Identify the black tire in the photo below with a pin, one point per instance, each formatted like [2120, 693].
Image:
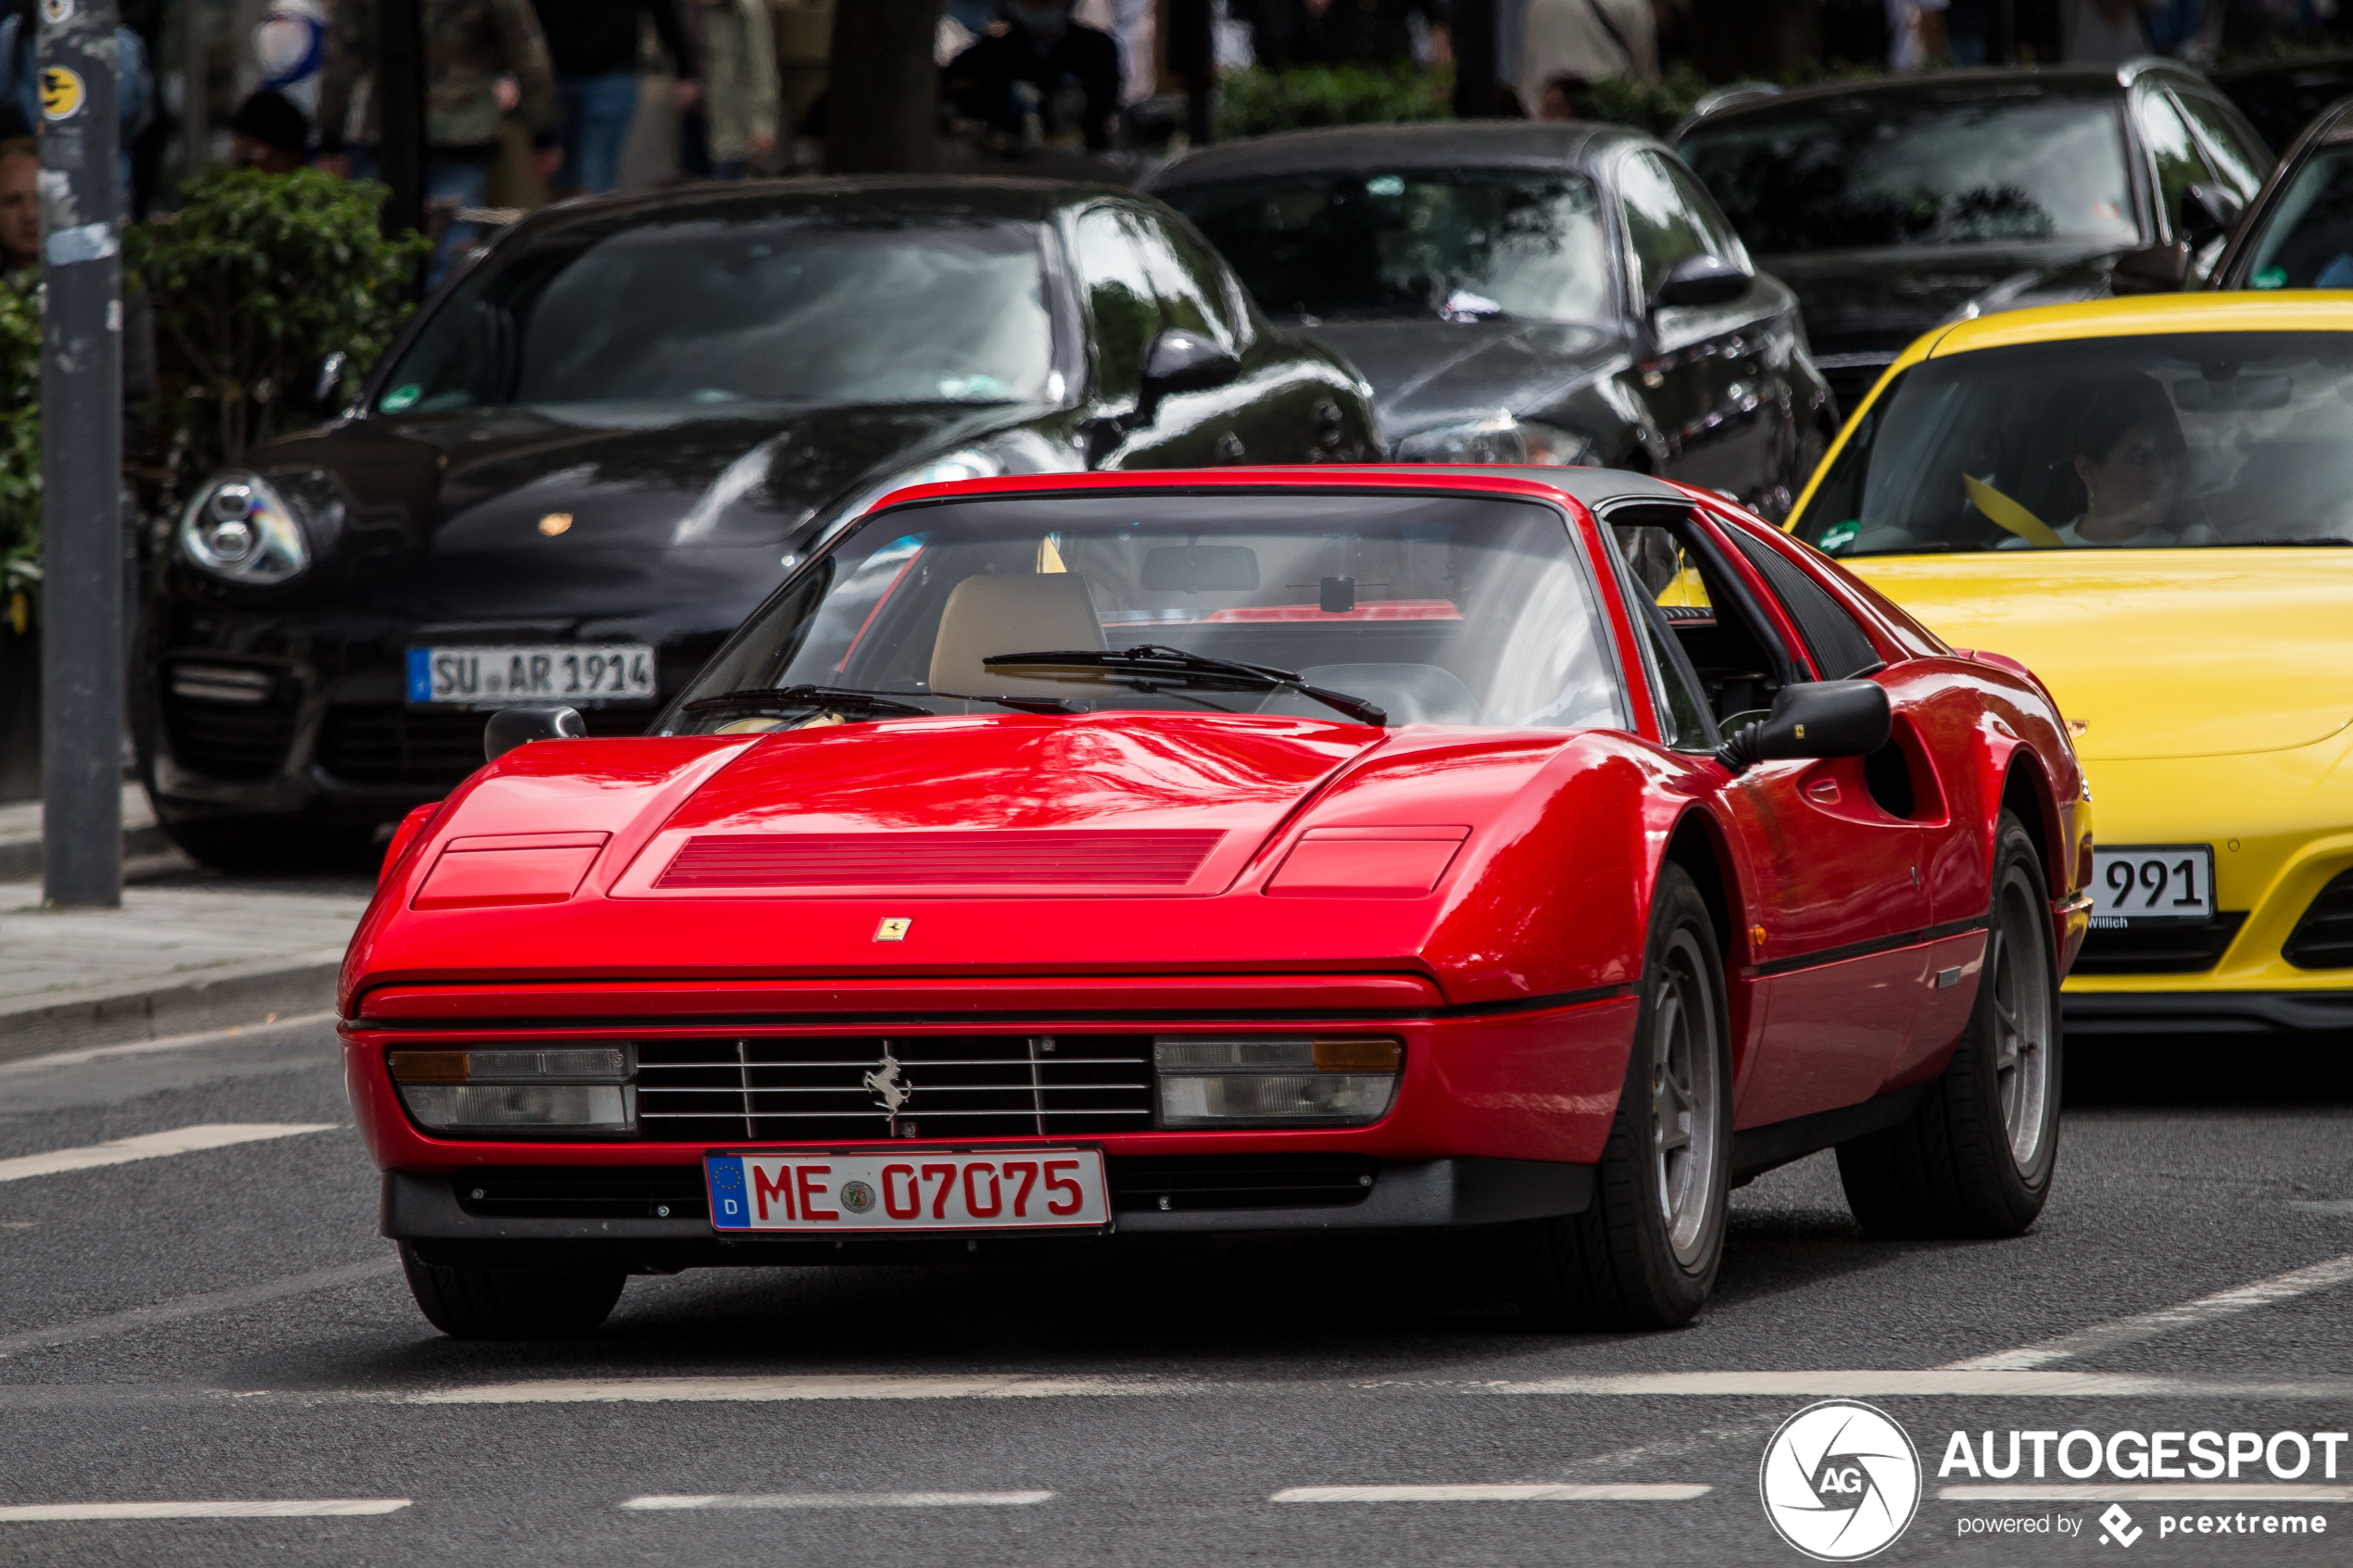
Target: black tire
[1976, 1158]
[1643, 1254]
[508, 1304]
[249, 845]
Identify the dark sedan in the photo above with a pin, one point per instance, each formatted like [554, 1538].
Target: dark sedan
[1546, 293]
[1894, 206]
[2299, 233]
[602, 445]
[2282, 96]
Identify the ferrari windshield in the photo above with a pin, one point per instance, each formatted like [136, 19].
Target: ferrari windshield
[713, 311]
[2306, 239]
[2174, 440]
[1881, 169]
[1464, 242]
[1438, 610]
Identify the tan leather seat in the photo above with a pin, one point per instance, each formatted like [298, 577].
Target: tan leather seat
[986, 616]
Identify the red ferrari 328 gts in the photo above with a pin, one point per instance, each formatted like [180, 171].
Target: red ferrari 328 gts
[1547, 851]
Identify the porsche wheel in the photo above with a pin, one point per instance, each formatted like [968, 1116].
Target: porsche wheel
[1976, 1158]
[1643, 1254]
[506, 1304]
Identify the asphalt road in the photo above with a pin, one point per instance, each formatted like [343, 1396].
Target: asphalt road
[223, 1325]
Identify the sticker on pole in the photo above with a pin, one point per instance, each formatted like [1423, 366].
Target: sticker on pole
[62, 93]
[56, 13]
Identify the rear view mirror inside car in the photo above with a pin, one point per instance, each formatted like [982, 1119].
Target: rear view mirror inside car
[2239, 394]
[1201, 569]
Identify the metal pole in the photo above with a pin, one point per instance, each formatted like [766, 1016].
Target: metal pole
[196, 134]
[82, 673]
[1475, 95]
[400, 86]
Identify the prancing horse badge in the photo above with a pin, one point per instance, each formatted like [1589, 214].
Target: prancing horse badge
[894, 929]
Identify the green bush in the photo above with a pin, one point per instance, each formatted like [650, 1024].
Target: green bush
[1258, 102]
[1655, 106]
[254, 278]
[19, 450]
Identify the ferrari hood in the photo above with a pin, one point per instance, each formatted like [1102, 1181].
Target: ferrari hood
[1425, 372]
[2158, 653]
[1124, 802]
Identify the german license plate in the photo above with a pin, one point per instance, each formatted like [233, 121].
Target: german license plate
[2151, 883]
[909, 1190]
[502, 675]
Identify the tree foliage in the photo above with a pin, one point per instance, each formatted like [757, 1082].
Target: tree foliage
[20, 448]
[1258, 102]
[252, 281]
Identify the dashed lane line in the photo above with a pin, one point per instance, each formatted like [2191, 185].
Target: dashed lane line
[662, 1390]
[196, 1306]
[2192, 1491]
[1940, 1383]
[839, 1499]
[265, 1508]
[153, 1146]
[1646, 1491]
[2165, 1320]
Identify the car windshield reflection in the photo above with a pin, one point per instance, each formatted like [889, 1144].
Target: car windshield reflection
[2178, 441]
[720, 314]
[2307, 238]
[1445, 610]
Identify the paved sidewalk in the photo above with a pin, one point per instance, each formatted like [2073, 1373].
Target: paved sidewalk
[20, 833]
[205, 953]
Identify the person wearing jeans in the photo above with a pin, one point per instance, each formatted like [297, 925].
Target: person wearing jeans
[594, 44]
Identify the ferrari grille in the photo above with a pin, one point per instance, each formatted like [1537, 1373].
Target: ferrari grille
[1107, 857]
[2323, 938]
[932, 1086]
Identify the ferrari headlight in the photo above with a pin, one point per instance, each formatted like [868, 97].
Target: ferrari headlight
[1211, 1082]
[1498, 438]
[574, 1090]
[241, 529]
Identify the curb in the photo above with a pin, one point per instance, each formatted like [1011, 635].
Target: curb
[20, 859]
[158, 1008]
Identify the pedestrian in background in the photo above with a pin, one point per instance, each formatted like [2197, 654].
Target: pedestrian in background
[740, 84]
[482, 58]
[1589, 40]
[269, 132]
[594, 44]
[20, 78]
[2101, 32]
[1036, 45]
[20, 205]
[1916, 33]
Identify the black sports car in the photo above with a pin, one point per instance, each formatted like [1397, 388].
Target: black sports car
[601, 445]
[1893, 205]
[2282, 96]
[1522, 293]
[2299, 234]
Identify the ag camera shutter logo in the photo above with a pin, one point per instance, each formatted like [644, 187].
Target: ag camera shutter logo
[1841, 1481]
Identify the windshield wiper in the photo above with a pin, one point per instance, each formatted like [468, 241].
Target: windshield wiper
[844, 699]
[840, 699]
[1148, 662]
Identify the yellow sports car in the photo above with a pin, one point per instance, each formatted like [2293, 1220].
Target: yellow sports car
[2150, 502]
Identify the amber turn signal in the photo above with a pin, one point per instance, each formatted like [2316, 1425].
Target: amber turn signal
[1358, 1056]
[429, 1067]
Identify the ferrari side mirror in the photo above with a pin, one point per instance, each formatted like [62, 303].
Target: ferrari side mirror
[1817, 718]
[512, 727]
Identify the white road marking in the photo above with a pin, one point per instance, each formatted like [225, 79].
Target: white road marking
[660, 1391]
[2334, 1207]
[236, 1034]
[844, 1499]
[267, 1508]
[2165, 1320]
[195, 1305]
[151, 1145]
[1646, 1491]
[1946, 1381]
[2192, 1491]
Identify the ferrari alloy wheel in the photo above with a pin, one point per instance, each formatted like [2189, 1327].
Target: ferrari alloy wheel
[468, 1303]
[1643, 1254]
[1976, 1158]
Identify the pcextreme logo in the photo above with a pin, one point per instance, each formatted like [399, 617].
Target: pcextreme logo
[1841, 1481]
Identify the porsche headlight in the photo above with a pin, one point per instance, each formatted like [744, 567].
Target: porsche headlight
[1498, 438]
[241, 529]
[1020, 451]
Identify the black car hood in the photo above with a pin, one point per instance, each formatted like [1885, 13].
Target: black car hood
[518, 511]
[1425, 372]
[1878, 301]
